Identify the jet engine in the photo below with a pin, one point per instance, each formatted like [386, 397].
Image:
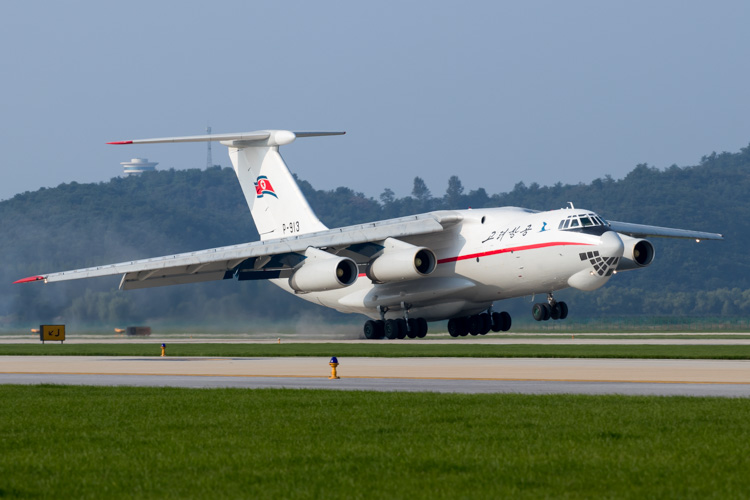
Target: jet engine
[322, 271]
[400, 261]
[638, 253]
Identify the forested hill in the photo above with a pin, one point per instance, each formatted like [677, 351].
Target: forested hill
[78, 225]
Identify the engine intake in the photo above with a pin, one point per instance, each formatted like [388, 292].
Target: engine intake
[321, 271]
[638, 253]
[400, 261]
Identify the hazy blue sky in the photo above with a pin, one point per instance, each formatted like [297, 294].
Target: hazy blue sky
[494, 92]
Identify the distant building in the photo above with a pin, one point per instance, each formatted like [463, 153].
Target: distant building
[138, 166]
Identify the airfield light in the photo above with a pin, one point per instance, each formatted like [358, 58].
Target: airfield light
[163, 350]
[334, 362]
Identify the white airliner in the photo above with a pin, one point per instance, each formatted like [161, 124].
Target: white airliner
[401, 273]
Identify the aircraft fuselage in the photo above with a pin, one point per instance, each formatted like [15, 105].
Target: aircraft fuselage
[492, 254]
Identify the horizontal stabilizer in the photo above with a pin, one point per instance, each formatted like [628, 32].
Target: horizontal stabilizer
[259, 135]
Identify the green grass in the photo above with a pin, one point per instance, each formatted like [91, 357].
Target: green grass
[95, 442]
[387, 349]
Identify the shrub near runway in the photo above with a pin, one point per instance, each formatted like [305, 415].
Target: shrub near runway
[59, 442]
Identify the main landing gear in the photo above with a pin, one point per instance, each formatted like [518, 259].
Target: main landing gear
[479, 324]
[396, 328]
[551, 310]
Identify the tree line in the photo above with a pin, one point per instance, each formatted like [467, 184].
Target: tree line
[158, 213]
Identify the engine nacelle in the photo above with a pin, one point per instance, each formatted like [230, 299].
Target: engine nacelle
[401, 261]
[321, 271]
[638, 253]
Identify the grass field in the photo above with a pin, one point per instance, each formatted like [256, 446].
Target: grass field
[117, 442]
[385, 349]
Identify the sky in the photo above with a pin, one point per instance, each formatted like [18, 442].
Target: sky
[494, 92]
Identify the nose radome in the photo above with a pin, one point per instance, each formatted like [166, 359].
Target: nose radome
[611, 245]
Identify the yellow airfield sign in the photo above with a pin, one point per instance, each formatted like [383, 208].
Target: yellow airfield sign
[52, 332]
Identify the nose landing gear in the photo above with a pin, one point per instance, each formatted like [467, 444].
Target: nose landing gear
[551, 310]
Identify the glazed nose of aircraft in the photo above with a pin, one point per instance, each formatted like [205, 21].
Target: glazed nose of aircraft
[602, 262]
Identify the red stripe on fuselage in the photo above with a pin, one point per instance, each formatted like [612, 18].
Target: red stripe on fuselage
[510, 249]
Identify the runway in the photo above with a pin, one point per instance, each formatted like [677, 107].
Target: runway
[723, 378]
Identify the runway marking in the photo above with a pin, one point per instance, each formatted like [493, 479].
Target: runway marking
[389, 378]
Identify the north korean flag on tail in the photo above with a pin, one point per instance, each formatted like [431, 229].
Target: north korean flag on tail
[263, 187]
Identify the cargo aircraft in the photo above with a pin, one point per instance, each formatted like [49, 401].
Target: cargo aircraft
[404, 272]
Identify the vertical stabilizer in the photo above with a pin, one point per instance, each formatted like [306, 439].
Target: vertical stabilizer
[276, 203]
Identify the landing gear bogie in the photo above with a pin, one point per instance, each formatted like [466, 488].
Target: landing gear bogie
[398, 328]
[551, 310]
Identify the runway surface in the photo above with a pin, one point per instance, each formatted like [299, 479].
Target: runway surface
[723, 378]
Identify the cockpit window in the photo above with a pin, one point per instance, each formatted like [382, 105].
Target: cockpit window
[587, 220]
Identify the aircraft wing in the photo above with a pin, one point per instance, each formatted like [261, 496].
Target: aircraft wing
[643, 231]
[257, 260]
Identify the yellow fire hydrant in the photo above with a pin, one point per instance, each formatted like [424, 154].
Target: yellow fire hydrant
[334, 363]
[163, 350]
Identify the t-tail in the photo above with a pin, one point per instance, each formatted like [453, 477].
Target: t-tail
[276, 203]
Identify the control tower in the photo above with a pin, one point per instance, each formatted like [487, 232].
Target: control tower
[138, 166]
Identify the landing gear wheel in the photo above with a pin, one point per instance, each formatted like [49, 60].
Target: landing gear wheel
[497, 324]
[371, 330]
[380, 325]
[453, 328]
[486, 324]
[505, 321]
[413, 328]
[475, 324]
[537, 311]
[391, 329]
[555, 311]
[563, 310]
[421, 327]
[401, 328]
[547, 311]
[463, 326]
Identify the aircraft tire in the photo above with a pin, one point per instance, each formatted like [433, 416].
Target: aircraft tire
[547, 311]
[413, 329]
[563, 310]
[380, 325]
[371, 330]
[475, 324]
[463, 326]
[555, 311]
[537, 311]
[453, 328]
[391, 329]
[421, 328]
[401, 328]
[486, 324]
[505, 321]
[496, 323]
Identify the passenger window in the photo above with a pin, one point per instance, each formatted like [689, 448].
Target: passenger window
[586, 222]
[574, 223]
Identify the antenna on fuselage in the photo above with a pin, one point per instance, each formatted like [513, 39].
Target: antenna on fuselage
[571, 205]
